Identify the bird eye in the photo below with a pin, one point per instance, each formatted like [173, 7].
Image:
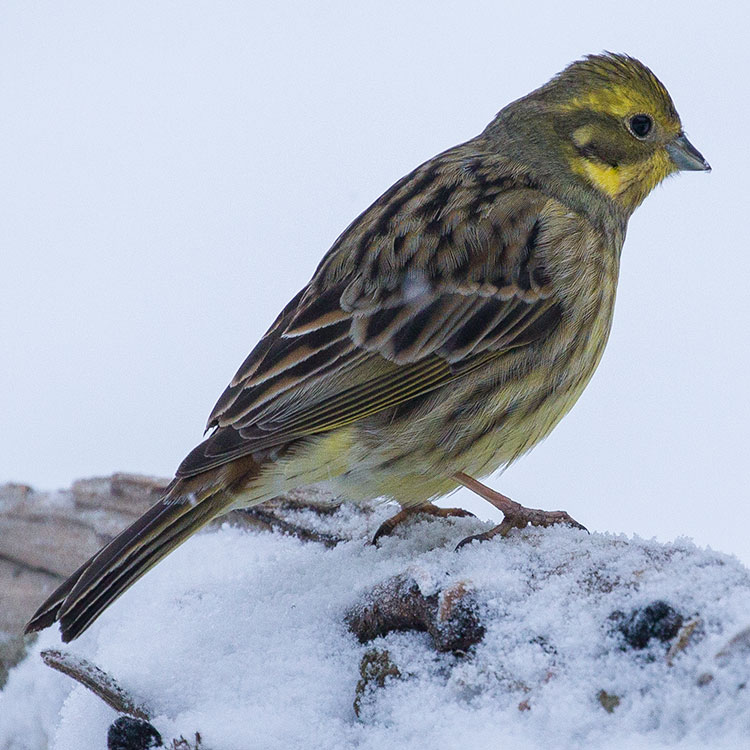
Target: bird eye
[640, 125]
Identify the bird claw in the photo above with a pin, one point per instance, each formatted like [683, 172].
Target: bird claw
[389, 525]
[520, 519]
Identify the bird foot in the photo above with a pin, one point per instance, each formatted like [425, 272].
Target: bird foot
[516, 515]
[388, 526]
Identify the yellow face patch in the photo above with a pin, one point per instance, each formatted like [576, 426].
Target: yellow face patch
[606, 178]
[628, 184]
[618, 101]
[583, 135]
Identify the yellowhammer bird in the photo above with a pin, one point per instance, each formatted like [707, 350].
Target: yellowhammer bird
[446, 332]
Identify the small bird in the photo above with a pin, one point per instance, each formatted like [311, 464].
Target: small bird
[445, 333]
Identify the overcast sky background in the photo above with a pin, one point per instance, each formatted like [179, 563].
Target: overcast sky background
[171, 173]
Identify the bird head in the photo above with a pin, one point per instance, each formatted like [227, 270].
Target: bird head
[609, 122]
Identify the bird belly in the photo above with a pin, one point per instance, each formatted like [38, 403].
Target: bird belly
[411, 453]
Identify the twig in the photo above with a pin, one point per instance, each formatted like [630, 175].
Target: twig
[268, 519]
[450, 617]
[96, 680]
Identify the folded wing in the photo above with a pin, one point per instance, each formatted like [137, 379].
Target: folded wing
[443, 273]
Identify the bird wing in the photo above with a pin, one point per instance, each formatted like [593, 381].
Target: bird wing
[443, 273]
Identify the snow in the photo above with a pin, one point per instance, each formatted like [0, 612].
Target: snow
[241, 636]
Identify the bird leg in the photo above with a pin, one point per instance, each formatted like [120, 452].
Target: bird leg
[388, 526]
[516, 515]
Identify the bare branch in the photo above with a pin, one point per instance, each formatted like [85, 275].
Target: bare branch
[97, 681]
[450, 616]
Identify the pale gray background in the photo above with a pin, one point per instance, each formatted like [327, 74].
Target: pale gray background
[170, 174]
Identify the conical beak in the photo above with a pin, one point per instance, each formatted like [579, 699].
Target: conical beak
[686, 157]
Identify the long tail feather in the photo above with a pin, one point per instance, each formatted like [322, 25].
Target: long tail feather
[116, 567]
[48, 612]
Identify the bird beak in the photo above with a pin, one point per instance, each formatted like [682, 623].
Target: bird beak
[686, 157]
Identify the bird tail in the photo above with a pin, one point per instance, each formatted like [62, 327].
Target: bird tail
[110, 572]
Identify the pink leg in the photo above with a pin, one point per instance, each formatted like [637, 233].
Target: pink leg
[516, 515]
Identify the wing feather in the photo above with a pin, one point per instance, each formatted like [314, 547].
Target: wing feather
[423, 287]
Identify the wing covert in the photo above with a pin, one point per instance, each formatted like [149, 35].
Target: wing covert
[454, 275]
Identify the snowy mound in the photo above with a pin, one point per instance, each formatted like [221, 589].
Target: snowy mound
[243, 636]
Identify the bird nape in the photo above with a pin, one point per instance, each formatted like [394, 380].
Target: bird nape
[446, 332]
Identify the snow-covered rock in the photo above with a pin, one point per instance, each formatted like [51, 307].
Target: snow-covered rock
[244, 636]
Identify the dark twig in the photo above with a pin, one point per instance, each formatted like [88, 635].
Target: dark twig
[268, 520]
[450, 616]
